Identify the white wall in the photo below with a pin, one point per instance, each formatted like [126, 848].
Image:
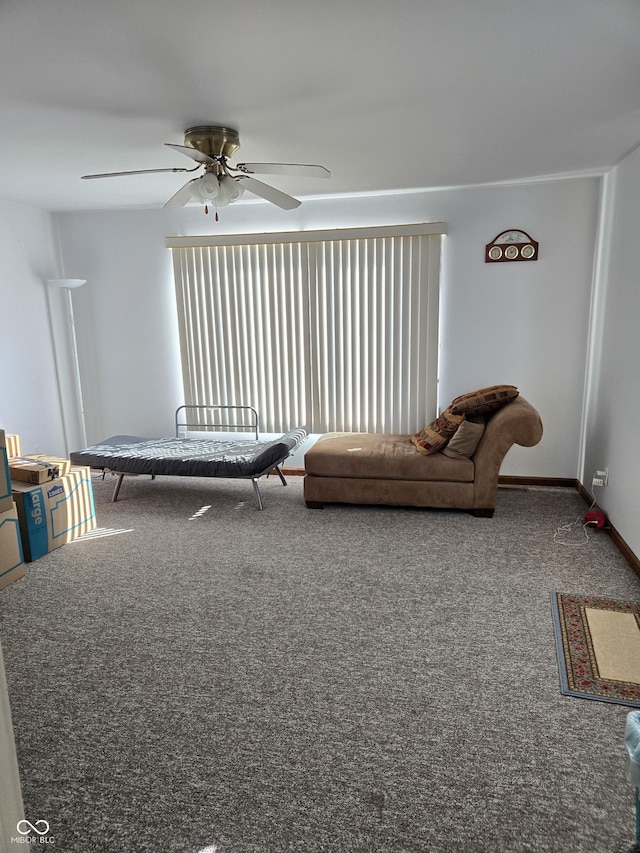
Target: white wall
[29, 401]
[523, 323]
[125, 321]
[614, 402]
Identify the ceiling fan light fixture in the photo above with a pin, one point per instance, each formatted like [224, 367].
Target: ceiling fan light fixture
[205, 188]
[209, 185]
[230, 191]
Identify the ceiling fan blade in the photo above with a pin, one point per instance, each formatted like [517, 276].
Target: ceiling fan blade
[191, 152]
[302, 170]
[183, 196]
[134, 172]
[286, 202]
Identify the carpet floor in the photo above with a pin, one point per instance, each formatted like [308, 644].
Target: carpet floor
[205, 676]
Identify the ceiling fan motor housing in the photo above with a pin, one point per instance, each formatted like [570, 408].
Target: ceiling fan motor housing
[213, 140]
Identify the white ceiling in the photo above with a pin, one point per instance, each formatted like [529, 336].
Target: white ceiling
[415, 93]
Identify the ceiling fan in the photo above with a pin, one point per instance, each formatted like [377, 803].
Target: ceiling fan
[220, 183]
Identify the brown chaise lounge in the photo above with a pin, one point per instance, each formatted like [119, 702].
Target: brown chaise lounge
[370, 468]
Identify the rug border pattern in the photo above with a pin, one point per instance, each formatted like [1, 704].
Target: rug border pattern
[577, 665]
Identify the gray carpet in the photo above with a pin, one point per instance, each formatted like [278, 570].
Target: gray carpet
[351, 679]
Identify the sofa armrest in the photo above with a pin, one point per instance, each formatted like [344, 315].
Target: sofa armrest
[516, 423]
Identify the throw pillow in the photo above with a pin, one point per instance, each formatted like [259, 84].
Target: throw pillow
[484, 400]
[465, 441]
[436, 434]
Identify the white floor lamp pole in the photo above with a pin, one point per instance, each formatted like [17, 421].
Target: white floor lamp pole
[69, 284]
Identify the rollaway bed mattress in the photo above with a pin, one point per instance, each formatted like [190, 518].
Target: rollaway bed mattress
[233, 458]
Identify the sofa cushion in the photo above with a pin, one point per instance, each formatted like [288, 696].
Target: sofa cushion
[465, 441]
[484, 400]
[375, 456]
[436, 434]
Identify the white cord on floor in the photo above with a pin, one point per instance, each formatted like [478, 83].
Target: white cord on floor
[568, 528]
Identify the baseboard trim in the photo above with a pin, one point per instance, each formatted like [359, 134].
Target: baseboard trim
[562, 482]
[584, 493]
[624, 549]
[554, 482]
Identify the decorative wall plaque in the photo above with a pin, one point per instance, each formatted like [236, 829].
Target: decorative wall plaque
[511, 245]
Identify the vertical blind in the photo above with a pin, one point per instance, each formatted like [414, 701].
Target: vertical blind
[334, 330]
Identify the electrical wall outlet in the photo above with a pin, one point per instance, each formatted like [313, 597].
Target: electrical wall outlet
[601, 478]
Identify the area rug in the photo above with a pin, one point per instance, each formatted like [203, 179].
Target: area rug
[598, 647]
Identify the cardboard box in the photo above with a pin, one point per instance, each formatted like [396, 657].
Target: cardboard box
[37, 468]
[13, 445]
[6, 501]
[55, 512]
[63, 464]
[12, 564]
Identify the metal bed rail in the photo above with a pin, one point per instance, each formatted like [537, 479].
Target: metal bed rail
[249, 423]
